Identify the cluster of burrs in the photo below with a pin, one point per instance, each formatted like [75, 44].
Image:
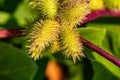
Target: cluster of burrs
[55, 28]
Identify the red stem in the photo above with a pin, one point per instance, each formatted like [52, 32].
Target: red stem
[99, 13]
[21, 32]
[7, 33]
[100, 51]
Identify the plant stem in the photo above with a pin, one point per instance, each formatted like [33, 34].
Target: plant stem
[7, 33]
[99, 13]
[100, 51]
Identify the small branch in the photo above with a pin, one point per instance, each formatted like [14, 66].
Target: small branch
[100, 51]
[21, 32]
[99, 13]
[7, 33]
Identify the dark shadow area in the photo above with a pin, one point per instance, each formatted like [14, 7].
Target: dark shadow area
[11, 23]
[107, 20]
[10, 5]
[88, 69]
[42, 64]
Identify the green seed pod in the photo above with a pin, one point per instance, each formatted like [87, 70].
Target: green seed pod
[70, 43]
[46, 8]
[73, 12]
[112, 4]
[43, 33]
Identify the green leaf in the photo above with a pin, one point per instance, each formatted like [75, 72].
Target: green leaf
[15, 64]
[102, 73]
[95, 35]
[4, 17]
[110, 43]
[23, 13]
[2, 3]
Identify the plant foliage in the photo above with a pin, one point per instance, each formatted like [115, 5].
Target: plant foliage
[62, 38]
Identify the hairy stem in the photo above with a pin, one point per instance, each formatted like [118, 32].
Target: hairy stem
[7, 33]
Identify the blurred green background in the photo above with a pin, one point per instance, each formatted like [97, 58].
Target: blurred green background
[15, 64]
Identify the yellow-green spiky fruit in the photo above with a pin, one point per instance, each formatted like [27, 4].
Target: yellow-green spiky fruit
[70, 43]
[73, 12]
[55, 46]
[96, 4]
[34, 3]
[46, 8]
[43, 33]
[112, 4]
